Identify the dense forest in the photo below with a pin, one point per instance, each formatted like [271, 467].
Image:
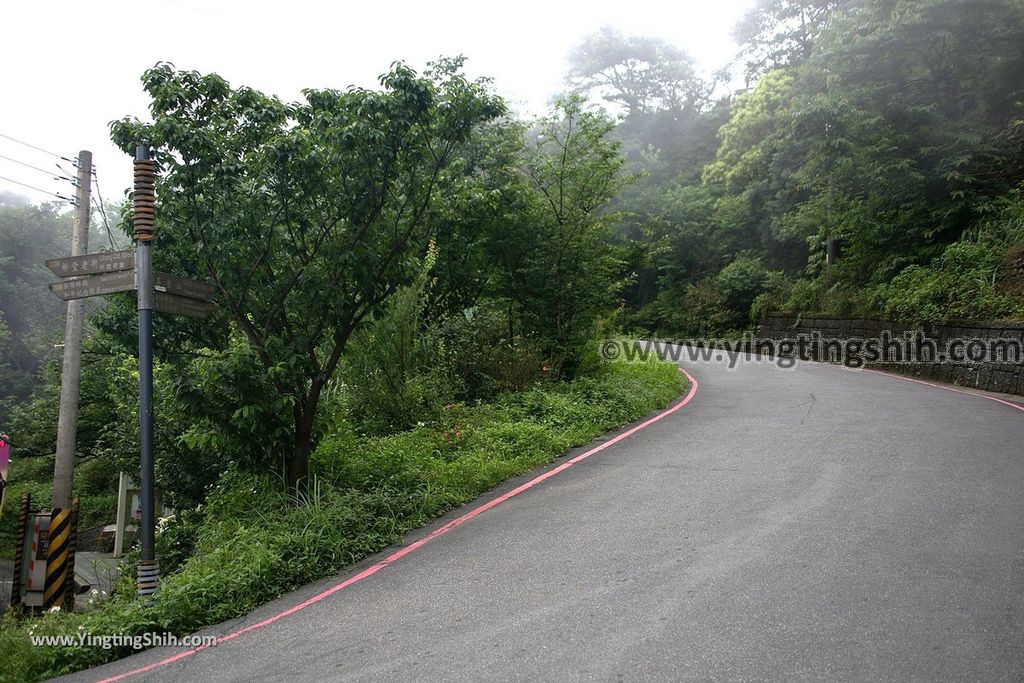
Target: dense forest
[411, 281]
[30, 317]
[399, 250]
[872, 166]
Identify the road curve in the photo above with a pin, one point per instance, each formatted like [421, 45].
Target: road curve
[805, 524]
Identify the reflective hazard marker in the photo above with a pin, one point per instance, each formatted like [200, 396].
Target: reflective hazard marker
[69, 582]
[19, 551]
[57, 557]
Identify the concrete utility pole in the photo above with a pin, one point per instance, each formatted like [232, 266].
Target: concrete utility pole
[67, 420]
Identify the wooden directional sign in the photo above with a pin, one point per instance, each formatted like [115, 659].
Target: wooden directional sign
[90, 264]
[114, 271]
[181, 305]
[94, 285]
[192, 289]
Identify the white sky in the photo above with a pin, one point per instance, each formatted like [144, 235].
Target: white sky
[69, 68]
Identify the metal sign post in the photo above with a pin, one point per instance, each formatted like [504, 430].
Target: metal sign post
[145, 229]
[87, 275]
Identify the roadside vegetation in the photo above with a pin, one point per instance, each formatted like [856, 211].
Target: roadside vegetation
[411, 286]
[411, 282]
[251, 542]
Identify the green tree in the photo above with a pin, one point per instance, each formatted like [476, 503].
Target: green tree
[306, 216]
[779, 33]
[752, 175]
[640, 73]
[482, 211]
[570, 272]
[30, 314]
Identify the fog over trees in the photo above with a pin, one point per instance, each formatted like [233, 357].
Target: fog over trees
[417, 245]
[888, 130]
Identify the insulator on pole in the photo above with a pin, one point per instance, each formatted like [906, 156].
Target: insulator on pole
[144, 200]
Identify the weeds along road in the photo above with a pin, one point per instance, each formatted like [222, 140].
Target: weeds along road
[816, 523]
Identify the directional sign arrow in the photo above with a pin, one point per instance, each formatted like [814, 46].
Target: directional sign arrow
[94, 285]
[183, 286]
[90, 264]
[181, 305]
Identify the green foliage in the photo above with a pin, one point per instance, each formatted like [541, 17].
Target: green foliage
[741, 281]
[887, 129]
[206, 417]
[30, 316]
[272, 202]
[639, 73]
[899, 133]
[962, 284]
[251, 543]
[395, 374]
[485, 356]
[747, 138]
[568, 274]
[482, 218]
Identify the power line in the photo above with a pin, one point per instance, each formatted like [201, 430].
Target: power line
[35, 168]
[38, 149]
[65, 171]
[103, 211]
[106, 226]
[39, 189]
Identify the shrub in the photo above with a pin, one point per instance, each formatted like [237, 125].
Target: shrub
[961, 284]
[741, 281]
[701, 311]
[486, 356]
[395, 371]
[252, 543]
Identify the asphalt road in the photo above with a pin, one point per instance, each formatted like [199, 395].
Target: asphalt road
[811, 524]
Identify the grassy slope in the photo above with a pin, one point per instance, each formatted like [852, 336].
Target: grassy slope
[252, 545]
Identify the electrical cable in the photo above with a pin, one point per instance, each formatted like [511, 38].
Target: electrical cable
[38, 149]
[99, 204]
[39, 189]
[107, 226]
[35, 168]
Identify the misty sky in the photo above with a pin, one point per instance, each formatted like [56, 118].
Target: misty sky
[69, 68]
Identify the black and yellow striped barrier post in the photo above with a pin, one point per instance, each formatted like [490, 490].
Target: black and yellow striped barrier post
[19, 550]
[57, 557]
[69, 583]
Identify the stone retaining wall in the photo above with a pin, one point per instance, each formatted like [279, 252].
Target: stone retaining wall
[1001, 377]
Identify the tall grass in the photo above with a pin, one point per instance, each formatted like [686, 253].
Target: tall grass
[251, 543]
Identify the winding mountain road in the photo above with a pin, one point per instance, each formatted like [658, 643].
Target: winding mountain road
[808, 524]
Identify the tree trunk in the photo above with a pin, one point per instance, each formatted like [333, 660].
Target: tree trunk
[304, 413]
[297, 470]
[298, 465]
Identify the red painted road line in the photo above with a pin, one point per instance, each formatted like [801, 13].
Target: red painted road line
[942, 386]
[370, 571]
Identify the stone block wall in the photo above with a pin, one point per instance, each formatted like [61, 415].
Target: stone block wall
[1003, 377]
